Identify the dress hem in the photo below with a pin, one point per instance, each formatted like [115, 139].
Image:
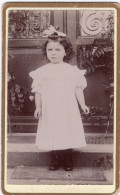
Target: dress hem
[59, 148]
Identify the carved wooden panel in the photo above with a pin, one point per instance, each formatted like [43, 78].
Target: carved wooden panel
[96, 22]
[27, 23]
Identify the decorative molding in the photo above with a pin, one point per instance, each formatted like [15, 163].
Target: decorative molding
[26, 43]
[27, 23]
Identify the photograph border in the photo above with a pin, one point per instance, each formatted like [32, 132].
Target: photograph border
[4, 61]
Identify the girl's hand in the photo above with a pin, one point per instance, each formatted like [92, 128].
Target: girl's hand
[37, 113]
[85, 109]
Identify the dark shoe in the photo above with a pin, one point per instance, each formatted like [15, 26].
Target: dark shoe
[68, 164]
[55, 163]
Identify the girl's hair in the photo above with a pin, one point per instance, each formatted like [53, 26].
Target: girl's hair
[64, 41]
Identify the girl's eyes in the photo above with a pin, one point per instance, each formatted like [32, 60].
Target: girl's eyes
[52, 49]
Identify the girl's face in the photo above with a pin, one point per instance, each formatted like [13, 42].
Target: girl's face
[55, 52]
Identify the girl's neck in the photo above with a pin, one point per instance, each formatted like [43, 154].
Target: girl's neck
[57, 63]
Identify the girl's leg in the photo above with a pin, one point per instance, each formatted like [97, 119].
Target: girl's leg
[56, 160]
[67, 160]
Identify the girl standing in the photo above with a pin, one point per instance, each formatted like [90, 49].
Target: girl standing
[58, 88]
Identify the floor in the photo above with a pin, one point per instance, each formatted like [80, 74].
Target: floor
[107, 173]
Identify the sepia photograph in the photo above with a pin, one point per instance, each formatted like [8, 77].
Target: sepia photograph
[60, 100]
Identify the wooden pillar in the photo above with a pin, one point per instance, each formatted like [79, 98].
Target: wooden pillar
[78, 33]
[65, 21]
[52, 17]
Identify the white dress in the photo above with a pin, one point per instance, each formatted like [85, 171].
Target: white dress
[60, 126]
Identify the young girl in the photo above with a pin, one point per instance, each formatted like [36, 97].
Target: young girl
[58, 88]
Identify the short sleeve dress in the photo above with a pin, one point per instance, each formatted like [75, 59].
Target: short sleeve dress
[60, 125]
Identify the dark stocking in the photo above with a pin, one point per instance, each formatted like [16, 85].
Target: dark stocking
[56, 160]
[68, 164]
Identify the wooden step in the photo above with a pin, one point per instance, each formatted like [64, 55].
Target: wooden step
[28, 154]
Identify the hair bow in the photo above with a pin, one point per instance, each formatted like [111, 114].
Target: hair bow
[52, 31]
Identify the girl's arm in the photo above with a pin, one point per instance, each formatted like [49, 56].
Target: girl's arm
[38, 104]
[80, 97]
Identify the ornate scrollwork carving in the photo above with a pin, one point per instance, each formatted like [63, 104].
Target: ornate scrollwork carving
[27, 23]
[95, 22]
